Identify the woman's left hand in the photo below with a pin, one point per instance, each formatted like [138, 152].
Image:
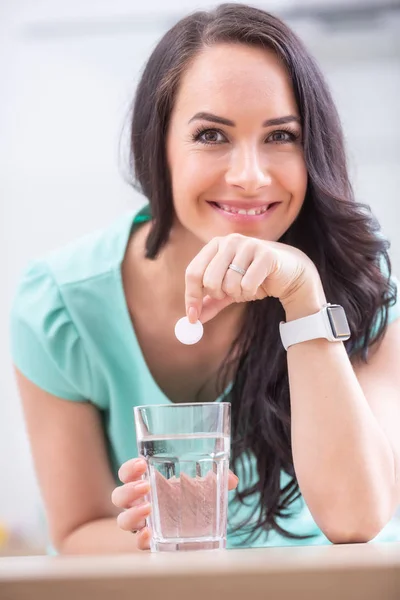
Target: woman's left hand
[271, 269]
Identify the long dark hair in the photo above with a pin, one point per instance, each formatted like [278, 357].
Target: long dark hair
[341, 237]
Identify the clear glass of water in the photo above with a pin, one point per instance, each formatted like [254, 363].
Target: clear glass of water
[187, 449]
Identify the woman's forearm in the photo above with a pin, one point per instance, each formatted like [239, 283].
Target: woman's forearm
[102, 536]
[343, 460]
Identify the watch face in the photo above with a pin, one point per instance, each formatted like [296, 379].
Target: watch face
[338, 321]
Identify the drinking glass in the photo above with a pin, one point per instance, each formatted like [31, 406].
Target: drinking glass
[187, 450]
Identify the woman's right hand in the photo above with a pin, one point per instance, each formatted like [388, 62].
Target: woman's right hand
[131, 497]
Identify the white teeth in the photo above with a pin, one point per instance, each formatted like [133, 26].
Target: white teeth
[242, 211]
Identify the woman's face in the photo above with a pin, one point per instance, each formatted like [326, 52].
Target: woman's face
[234, 146]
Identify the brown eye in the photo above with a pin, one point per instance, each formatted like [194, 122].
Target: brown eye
[282, 137]
[209, 136]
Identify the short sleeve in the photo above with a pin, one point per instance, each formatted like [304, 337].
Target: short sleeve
[394, 309]
[45, 344]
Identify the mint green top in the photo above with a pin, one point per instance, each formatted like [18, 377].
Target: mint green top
[71, 334]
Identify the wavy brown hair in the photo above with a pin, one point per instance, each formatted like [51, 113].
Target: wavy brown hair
[341, 237]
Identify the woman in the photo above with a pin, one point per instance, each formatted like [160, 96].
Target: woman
[237, 146]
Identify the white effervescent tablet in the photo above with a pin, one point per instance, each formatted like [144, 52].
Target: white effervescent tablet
[187, 333]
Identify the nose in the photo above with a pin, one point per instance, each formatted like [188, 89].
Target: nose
[247, 170]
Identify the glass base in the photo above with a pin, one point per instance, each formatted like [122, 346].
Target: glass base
[185, 546]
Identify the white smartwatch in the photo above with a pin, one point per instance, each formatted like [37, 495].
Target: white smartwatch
[329, 323]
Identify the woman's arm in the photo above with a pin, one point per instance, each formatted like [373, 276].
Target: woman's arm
[345, 428]
[102, 536]
[75, 479]
[345, 422]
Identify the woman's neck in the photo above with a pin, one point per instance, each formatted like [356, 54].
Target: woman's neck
[174, 258]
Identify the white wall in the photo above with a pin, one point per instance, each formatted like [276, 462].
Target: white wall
[65, 94]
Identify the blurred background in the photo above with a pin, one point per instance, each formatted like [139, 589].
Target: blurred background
[68, 71]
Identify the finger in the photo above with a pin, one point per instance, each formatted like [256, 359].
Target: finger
[134, 518]
[233, 481]
[216, 269]
[232, 282]
[132, 470]
[255, 276]
[126, 495]
[194, 280]
[143, 538]
[211, 307]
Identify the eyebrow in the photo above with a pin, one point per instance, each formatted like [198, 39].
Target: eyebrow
[205, 116]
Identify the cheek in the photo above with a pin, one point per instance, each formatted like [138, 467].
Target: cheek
[196, 172]
[192, 174]
[293, 176]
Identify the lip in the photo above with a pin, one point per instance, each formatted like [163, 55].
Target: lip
[235, 217]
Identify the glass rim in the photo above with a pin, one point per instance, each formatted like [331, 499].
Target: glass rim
[177, 405]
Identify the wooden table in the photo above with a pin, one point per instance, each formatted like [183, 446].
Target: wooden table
[356, 572]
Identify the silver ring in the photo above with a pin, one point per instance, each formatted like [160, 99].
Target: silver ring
[237, 269]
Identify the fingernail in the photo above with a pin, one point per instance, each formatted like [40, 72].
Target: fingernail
[141, 463]
[192, 315]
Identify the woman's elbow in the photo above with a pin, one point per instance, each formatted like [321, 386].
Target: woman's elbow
[354, 533]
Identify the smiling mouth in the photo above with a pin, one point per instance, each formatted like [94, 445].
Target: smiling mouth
[251, 211]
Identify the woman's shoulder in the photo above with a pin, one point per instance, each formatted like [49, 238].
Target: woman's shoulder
[60, 302]
[45, 343]
[91, 255]
[394, 308]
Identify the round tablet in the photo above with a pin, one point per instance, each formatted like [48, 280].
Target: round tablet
[187, 333]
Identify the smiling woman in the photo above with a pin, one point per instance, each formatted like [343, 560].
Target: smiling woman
[251, 222]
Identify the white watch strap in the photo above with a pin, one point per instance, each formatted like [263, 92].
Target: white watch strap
[304, 329]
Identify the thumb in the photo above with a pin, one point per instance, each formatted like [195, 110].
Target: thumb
[212, 306]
